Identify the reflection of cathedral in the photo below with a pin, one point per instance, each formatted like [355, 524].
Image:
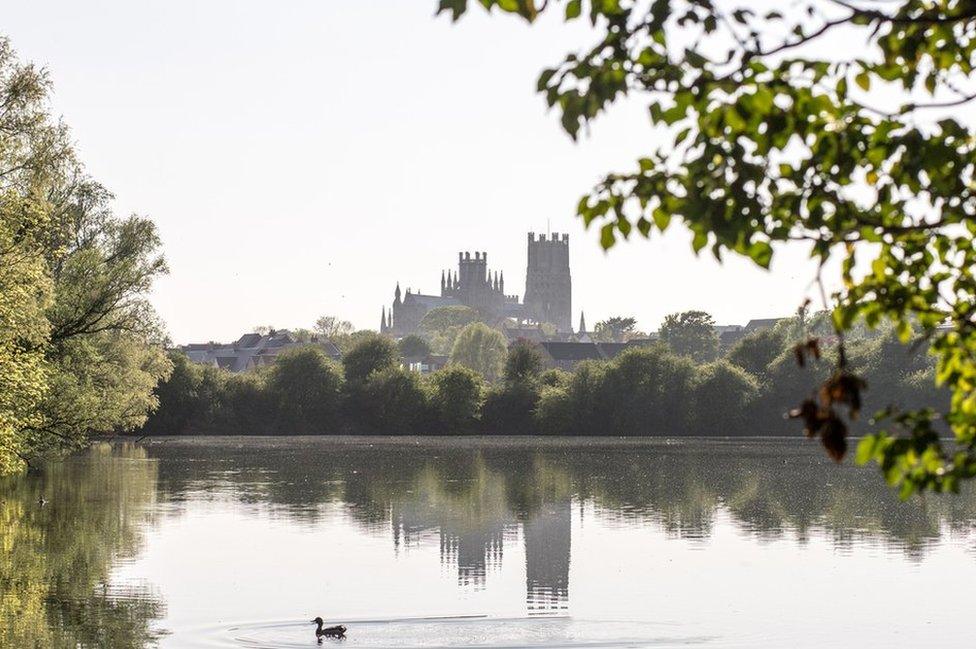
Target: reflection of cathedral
[474, 552]
[476, 548]
[547, 546]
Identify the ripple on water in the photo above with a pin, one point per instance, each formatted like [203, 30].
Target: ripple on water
[467, 631]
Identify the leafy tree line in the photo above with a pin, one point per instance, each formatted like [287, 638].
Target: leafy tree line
[657, 389]
[80, 346]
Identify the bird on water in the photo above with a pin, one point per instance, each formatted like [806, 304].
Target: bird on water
[337, 631]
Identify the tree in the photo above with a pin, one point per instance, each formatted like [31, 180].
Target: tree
[615, 329]
[80, 348]
[510, 409]
[644, 391]
[441, 326]
[756, 352]
[480, 348]
[245, 406]
[105, 350]
[304, 387]
[375, 353]
[721, 397]
[771, 136]
[25, 293]
[346, 342]
[445, 317]
[456, 395]
[393, 403]
[413, 346]
[524, 362]
[27, 141]
[189, 400]
[330, 327]
[692, 334]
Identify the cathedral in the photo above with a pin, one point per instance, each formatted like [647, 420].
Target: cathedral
[548, 290]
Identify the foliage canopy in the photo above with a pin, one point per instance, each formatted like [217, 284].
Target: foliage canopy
[772, 134]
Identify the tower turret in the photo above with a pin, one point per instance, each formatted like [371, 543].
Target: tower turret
[582, 327]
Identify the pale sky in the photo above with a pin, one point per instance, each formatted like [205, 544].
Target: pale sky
[301, 157]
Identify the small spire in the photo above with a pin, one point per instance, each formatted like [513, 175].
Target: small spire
[501, 282]
[582, 327]
[443, 283]
[397, 294]
[383, 321]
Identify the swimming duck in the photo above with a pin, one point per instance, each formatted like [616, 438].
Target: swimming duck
[337, 631]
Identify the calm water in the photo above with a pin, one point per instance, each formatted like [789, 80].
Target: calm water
[227, 542]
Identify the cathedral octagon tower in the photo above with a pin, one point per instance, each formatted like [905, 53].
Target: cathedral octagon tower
[548, 285]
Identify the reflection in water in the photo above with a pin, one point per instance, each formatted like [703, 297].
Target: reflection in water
[474, 500]
[61, 532]
[473, 503]
[547, 540]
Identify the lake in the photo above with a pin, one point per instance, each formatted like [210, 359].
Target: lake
[491, 542]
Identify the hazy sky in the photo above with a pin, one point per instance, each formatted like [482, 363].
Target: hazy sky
[301, 157]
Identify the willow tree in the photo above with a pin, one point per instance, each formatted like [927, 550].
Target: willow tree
[828, 123]
[80, 350]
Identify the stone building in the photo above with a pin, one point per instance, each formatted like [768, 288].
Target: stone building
[548, 284]
[548, 290]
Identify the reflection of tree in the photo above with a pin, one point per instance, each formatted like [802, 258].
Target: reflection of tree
[55, 558]
[473, 499]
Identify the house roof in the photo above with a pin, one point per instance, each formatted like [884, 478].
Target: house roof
[331, 349]
[761, 323]
[249, 340]
[560, 351]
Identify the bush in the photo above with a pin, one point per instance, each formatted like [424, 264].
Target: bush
[456, 396]
[554, 412]
[245, 408]
[304, 388]
[757, 351]
[721, 398]
[585, 392]
[480, 348]
[375, 353]
[413, 346]
[392, 402]
[509, 409]
[523, 362]
[189, 400]
[645, 391]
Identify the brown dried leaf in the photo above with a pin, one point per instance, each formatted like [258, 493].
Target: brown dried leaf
[833, 436]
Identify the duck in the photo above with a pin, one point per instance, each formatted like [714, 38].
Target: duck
[337, 631]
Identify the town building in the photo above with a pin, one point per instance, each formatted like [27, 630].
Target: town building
[567, 355]
[250, 350]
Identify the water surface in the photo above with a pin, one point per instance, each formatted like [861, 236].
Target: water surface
[493, 542]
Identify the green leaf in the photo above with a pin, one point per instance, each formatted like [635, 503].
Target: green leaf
[761, 253]
[573, 9]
